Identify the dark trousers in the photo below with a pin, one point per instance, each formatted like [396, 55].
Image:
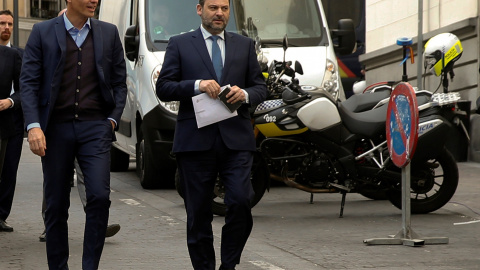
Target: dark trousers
[89, 142]
[3, 149]
[8, 177]
[199, 171]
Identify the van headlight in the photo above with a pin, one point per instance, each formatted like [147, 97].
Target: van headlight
[330, 79]
[171, 106]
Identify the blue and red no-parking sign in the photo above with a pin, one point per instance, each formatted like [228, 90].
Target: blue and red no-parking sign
[402, 124]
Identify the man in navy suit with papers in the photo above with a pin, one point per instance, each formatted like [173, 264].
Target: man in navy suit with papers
[201, 62]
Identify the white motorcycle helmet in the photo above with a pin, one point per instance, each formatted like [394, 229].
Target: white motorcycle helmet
[442, 51]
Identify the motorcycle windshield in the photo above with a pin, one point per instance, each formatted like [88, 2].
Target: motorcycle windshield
[271, 20]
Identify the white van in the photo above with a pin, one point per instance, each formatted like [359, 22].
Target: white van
[147, 124]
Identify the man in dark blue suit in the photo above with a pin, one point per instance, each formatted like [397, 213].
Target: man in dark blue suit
[73, 92]
[199, 62]
[13, 150]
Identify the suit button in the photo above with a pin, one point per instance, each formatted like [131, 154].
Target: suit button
[79, 63]
[76, 115]
[78, 90]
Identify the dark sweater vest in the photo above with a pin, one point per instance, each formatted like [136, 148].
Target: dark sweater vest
[79, 97]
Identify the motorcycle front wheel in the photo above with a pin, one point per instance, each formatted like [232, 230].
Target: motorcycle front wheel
[259, 177]
[433, 184]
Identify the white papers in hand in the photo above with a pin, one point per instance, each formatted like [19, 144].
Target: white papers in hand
[209, 110]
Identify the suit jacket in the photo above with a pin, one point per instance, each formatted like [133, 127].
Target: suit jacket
[10, 66]
[187, 60]
[44, 61]
[18, 112]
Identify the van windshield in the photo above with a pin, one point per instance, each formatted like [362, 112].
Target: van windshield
[271, 20]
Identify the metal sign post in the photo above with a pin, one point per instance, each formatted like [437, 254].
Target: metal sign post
[402, 136]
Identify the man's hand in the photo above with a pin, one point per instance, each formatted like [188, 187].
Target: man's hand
[210, 87]
[235, 94]
[5, 104]
[113, 125]
[37, 142]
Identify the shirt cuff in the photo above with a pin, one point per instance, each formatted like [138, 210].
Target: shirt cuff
[247, 100]
[111, 119]
[33, 125]
[13, 103]
[196, 88]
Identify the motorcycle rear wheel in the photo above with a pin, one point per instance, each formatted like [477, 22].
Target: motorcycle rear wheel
[259, 177]
[433, 184]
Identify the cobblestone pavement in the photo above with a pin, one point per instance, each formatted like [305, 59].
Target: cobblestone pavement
[289, 232]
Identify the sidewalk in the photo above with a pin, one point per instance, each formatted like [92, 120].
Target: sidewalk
[289, 233]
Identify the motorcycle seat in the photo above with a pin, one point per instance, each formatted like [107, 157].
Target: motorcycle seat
[367, 123]
[363, 102]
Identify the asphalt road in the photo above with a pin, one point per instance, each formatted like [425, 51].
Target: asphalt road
[289, 233]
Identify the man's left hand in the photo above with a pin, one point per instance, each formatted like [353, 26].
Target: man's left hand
[235, 94]
[5, 104]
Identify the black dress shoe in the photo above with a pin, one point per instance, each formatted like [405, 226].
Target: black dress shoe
[225, 268]
[4, 227]
[112, 230]
[43, 237]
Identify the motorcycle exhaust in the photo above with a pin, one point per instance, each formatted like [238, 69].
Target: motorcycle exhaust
[291, 183]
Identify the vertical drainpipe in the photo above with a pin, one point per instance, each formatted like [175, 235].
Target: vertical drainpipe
[420, 45]
[15, 25]
[478, 50]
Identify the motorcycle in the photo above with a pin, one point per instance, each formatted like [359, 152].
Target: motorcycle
[311, 141]
[315, 143]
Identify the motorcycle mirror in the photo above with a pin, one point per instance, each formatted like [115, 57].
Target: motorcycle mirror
[285, 43]
[298, 68]
[258, 44]
[285, 46]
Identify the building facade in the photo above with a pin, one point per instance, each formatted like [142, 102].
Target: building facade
[33, 11]
[388, 20]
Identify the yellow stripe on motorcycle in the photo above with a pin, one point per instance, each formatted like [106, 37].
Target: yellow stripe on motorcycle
[272, 130]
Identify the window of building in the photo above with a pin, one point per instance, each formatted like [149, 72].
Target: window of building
[45, 9]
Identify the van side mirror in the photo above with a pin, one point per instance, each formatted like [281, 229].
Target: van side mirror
[132, 42]
[345, 34]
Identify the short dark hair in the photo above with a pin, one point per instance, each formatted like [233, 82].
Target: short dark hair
[6, 12]
[201, 2]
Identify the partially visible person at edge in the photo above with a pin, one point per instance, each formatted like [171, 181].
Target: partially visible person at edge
[11, 106]
[200, 62]
[73, 85]
[112, 229]
[11, 118]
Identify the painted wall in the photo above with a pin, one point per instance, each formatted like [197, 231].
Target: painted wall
[386, 20]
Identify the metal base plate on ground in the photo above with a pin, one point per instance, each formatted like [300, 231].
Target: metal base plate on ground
[413, 241]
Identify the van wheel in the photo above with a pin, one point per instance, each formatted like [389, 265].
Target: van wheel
[119, 160]
[149, 175]
[152, 173]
